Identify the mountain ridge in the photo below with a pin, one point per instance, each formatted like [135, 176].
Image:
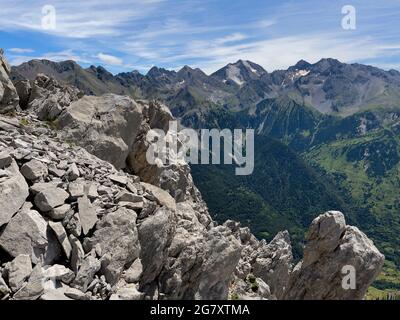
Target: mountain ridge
[328, 85]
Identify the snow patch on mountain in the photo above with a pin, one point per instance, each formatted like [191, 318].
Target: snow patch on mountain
[233, 73]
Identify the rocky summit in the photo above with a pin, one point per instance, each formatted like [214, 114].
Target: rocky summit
[83, 216]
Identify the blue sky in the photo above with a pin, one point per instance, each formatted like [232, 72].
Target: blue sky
[123, 35]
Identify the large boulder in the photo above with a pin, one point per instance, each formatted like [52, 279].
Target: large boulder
[18, 271]
[334, 251]
[273, 263]
[13, 190]
[50, 197]
[9, 100]
[34, 287]
[34, 170]
[106, 126]
[116, 241]
[24, 90]
[87, 214]
[27, 233]
[200, 262]
[174, 177]
[155, 235]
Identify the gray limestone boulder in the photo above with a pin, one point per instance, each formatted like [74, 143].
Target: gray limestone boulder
[106, 126]
[13, 192]
[333, 254]
[9, 100]
[116, 242]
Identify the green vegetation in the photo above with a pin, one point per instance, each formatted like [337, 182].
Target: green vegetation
[234, 296]
[320, 163]
[387, 285]
[252, 281]
[282, 193]
[53, 125]
[24, 122]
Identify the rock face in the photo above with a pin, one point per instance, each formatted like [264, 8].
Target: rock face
[331, 247]
[116, 239]
[8, 94]
[273, 263]
[175, 177]
[74, 226]
[13, 190]
[46, 96]
[105, 126]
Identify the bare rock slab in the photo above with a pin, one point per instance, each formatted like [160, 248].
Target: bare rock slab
[62, 237]
[13, 193]
[87, 214]
[26, 233]
[50, 198]
[18, 271]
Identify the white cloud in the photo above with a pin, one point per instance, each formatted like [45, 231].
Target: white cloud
[17, 59]
[234, 37]
[20, 50]
[109, 59]
[278, 53]
[76, 18]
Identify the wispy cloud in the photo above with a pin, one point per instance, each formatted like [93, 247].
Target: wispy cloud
[20, 50]
[76, 18]
[279, 53]
[135, 34]
[275, 53]
[53, 56]
[109, 59]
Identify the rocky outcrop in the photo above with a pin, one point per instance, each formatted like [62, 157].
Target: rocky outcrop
[8, 95]
[174, 177]
[115, 235]
[334, 250]
[114, 128]
[264, 268]
[273, 263]
[45, 96]
[105, 126]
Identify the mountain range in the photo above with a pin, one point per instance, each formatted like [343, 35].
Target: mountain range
[328, 137]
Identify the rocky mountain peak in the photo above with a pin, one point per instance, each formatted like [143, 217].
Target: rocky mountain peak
[327, 63]
[187, 71]
[301, 65]
[239, 72]
[156, 72]
[101, 73]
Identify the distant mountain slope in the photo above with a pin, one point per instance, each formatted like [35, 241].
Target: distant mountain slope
[92, 81]
[282, 193]
[328, 86]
